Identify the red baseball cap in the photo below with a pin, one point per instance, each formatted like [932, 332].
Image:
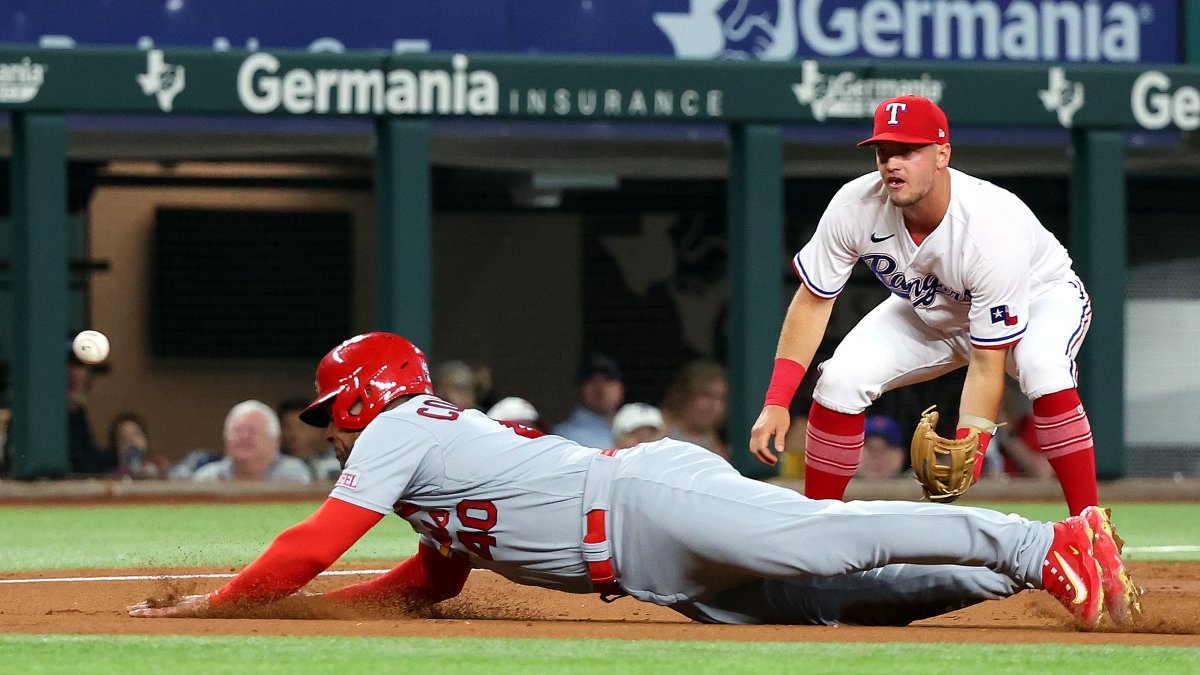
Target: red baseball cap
[909, 119]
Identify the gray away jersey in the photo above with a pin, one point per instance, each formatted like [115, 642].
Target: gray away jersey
[466, 483]
[718, 547]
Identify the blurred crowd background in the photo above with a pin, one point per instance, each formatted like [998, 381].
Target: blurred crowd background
[578, 265]
[269, 442]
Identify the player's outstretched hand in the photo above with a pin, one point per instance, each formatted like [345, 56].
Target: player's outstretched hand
[773, 421]
[188, 605]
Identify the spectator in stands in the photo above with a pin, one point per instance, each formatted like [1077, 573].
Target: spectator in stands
[185, 468]
[485, 387]
[129, 442]
[1020, 454]
[307, 443]
[883, 454]
[517, 411]
[252, 432]
[5, 418]
[695, 404]
[84, 456]
[454, 381]
[791, 462]
[601, 392]
[637, 423]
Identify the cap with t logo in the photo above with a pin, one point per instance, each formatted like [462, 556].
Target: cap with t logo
[909, 119]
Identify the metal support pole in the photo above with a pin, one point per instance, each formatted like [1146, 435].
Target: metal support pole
[404, 230]
[1099, 249]
[755, 222]
[38, 439]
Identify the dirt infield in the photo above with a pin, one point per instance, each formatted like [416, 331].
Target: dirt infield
[493, 607]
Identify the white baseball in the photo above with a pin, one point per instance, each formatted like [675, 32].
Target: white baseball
[90, 346]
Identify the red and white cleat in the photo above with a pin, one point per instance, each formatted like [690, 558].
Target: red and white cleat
[1071, 572]
[1120, 593]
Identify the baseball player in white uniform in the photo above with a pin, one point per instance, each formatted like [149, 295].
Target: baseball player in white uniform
[664, 522]
[976, 280]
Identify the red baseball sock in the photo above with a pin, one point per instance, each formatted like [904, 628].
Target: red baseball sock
[1065, 437]
[832, 449]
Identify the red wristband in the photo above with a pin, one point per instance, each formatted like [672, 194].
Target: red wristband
[984, 437]
[785, 379]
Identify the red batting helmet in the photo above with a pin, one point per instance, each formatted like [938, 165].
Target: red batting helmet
[372, 368]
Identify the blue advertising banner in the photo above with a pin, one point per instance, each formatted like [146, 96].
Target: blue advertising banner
[1070, 31]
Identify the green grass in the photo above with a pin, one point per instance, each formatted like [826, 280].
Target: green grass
[1143, 525]
[115, 654]
[71, 537]
[234, 534]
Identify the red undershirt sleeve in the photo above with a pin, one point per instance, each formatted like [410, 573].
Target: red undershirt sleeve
[427, 577]
[298, 554]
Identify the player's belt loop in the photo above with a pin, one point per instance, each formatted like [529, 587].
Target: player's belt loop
[596, 550]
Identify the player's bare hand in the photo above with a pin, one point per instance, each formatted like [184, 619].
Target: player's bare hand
[187, 606]
[773, 422]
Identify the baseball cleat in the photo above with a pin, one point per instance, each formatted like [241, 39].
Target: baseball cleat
[1071, 572]
[1120, 593]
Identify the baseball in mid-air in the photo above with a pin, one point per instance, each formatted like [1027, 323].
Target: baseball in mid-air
[90, 346]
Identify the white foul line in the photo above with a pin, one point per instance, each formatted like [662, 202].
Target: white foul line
[342, 573]
[148, 577]
[1162, 549]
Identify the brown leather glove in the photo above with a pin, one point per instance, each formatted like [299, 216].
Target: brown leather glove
[943, 466]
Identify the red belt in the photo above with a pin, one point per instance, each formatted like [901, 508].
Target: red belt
[604, 577]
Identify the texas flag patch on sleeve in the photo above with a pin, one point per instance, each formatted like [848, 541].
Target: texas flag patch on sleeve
[1000, 313]
[348, 479]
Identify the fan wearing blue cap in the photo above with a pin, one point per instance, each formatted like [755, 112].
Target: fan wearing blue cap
[884, 455]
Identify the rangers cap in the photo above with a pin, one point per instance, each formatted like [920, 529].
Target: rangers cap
[909, 119]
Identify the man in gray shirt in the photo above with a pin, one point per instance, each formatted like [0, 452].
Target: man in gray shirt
[252, 433]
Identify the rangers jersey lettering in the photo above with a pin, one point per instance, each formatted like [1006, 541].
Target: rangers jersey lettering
[988, 258]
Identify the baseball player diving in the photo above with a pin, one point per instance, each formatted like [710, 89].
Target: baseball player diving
[665, 522]
[975, 280]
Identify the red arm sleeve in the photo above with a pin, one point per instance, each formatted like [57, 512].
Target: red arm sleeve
[427, 577]
[298, 554]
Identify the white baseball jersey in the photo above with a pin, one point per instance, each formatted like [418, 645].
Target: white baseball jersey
[979, 270]
[470, 484]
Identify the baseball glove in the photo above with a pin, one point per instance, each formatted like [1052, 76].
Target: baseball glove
[944, 467]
